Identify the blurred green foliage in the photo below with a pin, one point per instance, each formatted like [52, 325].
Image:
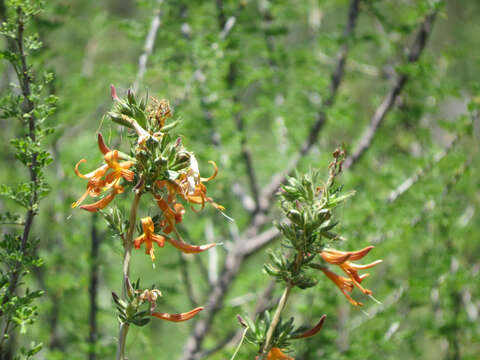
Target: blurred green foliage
[272, 71]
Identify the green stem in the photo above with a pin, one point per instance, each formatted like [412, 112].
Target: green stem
[240, 343]
[278, 312]
[275, 321]
[122, 337]
[127, 255]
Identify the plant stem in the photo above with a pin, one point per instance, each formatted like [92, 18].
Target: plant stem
[24, 79]
[280, 307]
[275, 321]
[122, 337]
[127, 254]
[128, 244]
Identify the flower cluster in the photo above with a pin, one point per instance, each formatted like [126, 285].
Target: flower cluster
[343, 260]
[158, 168]
[309, 230]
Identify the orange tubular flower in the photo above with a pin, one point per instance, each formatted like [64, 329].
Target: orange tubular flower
[189, 249]
[119, 169]
[276, 354]
[148, 237]
[344, 284]
[100, 204]
[171, 216]
[178, 317]
[342, 259]
[96, 181]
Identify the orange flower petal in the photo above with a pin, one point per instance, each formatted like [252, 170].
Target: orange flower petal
[178, 317]
[101, 144]
[160, 240]
[276, 354]
[313, 331]
[215, 172]
[139, 241]
[333, 258]
[100, 204]
[188, 248]
[98, 173]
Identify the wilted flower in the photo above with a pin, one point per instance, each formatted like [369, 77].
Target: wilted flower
[192, 187]
[150, 296]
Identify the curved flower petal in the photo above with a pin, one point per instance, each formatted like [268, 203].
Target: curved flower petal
[313, 331]
[178, 317]
[188, 248]
[215, 172]
[101, 144]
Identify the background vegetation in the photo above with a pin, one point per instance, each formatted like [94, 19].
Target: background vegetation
[263, 87]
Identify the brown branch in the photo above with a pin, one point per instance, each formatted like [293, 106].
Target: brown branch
[259, 241]
[148, 47]
[337, 76]
[187, 281]
[240, 250]
[413, 179]
[264, 303]
[389, 100]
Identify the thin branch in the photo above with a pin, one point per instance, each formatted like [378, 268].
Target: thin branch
[337, 76]
[236, 256]
[187, 281]
[148, 47]
[239, 123]
[391, 300]
[259, 241]
[264, 303]
[389, 101]
[413, 179]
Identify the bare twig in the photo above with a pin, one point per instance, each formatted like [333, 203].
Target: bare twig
[240, 250]
[148, 47]
[336, 79]
[187, 281]
[239, 123]
[389, 100]
[413, 179]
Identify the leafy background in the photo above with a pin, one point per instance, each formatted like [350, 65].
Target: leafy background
[281, 54]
